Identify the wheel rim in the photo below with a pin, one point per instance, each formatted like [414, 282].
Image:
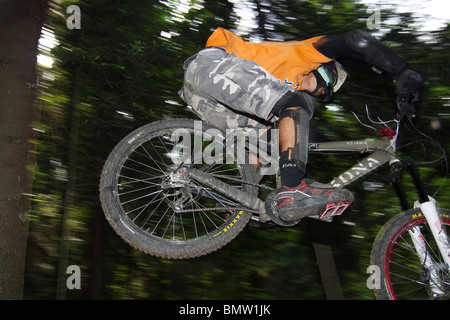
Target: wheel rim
[406, 278]
[156, 196]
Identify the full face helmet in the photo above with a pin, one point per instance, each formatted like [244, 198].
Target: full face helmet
[330, 77]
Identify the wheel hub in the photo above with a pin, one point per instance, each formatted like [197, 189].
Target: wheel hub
[178, 191]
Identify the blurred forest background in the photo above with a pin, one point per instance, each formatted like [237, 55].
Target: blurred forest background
[122, 69]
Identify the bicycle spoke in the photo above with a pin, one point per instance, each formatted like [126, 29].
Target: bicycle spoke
[168, 205]
[159, 221]
[148, 156]
[146, 206]
[199, 206]
[412, 276]
[145, 166]
[408, 293]
[141, 197]
[135, 180]
[156, 206]
[138, 190]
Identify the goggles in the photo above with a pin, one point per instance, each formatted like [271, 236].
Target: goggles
[330, 77]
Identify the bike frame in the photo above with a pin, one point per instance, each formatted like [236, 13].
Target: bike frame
[380, 151]
[384, 153]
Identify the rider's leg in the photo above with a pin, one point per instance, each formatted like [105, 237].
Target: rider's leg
[293, 128]
[215, 77]
[290, 171]
[299, 197]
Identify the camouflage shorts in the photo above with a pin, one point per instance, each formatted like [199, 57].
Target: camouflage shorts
[230, 92]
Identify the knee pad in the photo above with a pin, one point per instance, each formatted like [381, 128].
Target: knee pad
[301, 117]
[296, 99]
[374, 52]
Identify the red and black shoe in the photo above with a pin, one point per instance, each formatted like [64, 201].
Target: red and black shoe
[311, 198]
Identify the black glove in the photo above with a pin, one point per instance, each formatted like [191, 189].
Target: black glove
[407, 83]
[406, 105]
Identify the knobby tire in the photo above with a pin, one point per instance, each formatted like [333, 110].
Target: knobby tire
[140, 201]
[402, 276]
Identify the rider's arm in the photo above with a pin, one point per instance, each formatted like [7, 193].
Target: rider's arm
[359, 44]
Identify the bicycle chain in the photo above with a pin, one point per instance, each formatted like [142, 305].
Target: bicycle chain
[219, 209]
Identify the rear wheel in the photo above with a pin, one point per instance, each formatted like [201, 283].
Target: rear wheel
[153, 204]
[403, 274]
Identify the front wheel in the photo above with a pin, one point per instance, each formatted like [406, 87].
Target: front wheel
[403, 274]
[156, 207]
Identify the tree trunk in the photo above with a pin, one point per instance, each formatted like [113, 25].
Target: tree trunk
[69, 196]
[20, 25]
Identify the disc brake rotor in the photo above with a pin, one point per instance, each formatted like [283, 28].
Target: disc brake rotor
[178, 191]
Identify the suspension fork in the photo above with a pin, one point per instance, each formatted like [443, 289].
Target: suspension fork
[428, 207]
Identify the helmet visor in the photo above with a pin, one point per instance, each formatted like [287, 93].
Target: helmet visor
[327, 76]
[330, 77]
[324, 87]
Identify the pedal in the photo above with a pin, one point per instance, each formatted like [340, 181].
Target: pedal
[335, 209]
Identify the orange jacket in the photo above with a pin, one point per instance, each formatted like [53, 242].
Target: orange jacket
[286, 61]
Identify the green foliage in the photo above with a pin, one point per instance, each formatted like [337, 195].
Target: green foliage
[123, 69]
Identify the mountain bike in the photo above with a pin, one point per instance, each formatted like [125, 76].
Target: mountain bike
[181, 189]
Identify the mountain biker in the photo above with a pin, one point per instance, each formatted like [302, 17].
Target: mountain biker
[233, 83]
